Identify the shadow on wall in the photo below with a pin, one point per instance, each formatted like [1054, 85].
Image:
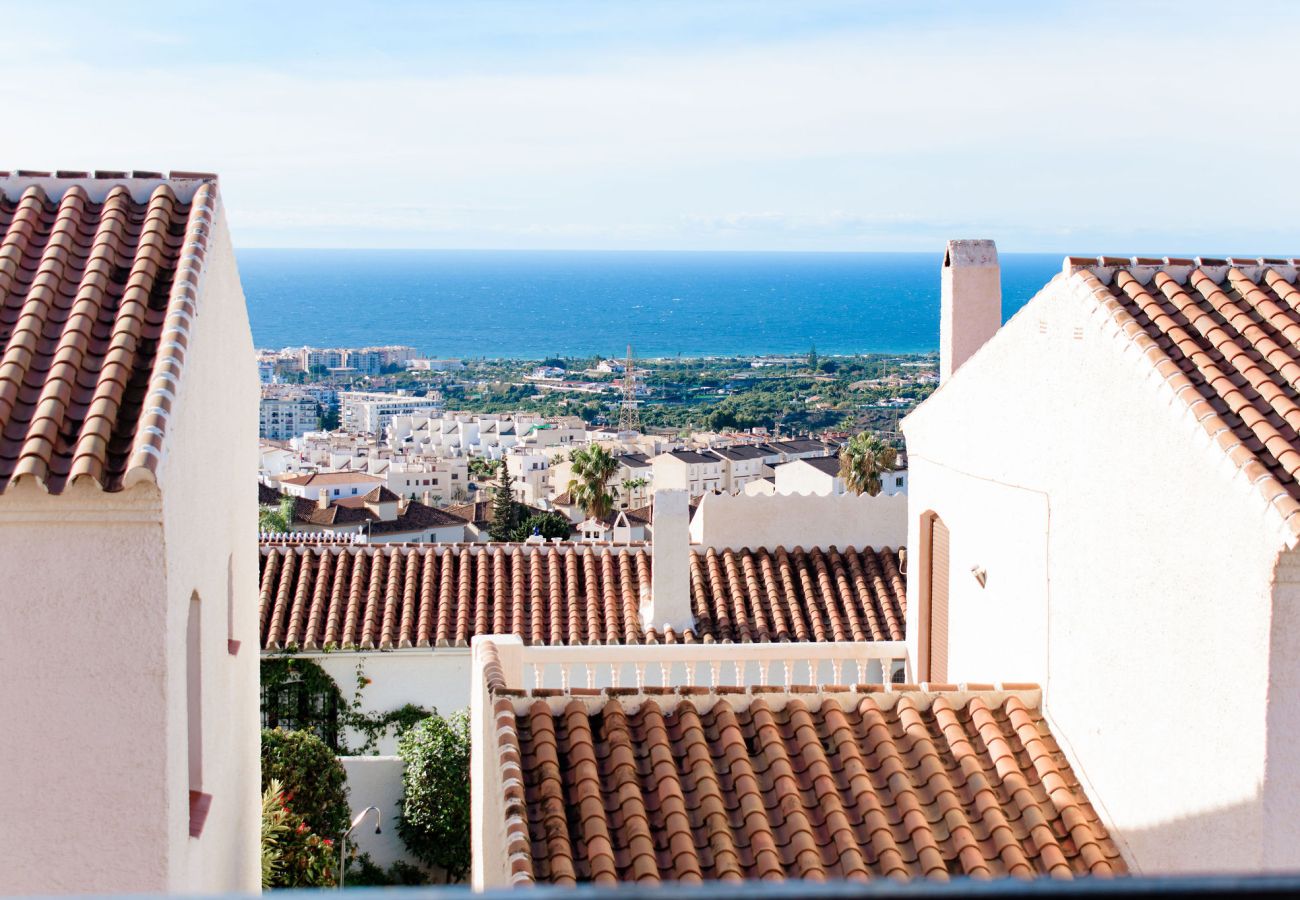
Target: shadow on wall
[1223, 840]
[805, 520]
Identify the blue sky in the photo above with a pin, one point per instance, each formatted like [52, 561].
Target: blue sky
[1060, 127]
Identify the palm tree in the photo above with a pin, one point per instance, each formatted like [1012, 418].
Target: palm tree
[593, 467]
[629, 485]
[863, 460]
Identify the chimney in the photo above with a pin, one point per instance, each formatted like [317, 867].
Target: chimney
[323, 499]
[971, 308]
[670, 571]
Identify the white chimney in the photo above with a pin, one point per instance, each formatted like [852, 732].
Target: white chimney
[971, 309]
[670, 572]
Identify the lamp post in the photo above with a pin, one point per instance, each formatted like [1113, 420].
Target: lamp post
[343, 843]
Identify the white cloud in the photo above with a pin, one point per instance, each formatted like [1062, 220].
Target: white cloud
[862, 135]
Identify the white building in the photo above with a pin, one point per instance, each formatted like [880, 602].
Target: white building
[687, 470]
[130, 738]
[1103, 493]
[368, 412]
[314, 359]
[820, 475]
[430, 479]
[331, 485]
[742, 464]
[376, 517]
[285, 418]
[530, 475]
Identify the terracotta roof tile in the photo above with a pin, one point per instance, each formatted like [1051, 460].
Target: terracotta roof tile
[568, 593]
[741, 785]
[96, 302]
[1225, 334]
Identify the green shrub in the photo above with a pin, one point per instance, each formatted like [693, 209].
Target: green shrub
[365, 872]
[292, 854]
[315, 784]
[434, 821]
[549, 524]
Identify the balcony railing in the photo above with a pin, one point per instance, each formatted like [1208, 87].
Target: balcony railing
[708, 665]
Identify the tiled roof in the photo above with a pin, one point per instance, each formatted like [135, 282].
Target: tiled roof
[323, 478]
[353, 511]
[379, 494]
[1225, 335]
[690, 456]
[830, 465]
[416, 516]
[693, 785]
[98, 290]
[480, 512]
[814, 595]
[436, 595]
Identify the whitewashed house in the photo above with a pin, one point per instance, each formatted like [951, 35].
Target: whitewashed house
[1103, 496]
[128, 406]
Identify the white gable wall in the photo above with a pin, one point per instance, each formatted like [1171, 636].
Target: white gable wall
[210, 529]
[1129, 571]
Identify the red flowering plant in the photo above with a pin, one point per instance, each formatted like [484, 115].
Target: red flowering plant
[292, 854]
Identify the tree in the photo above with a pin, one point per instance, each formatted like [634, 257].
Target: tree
[548, 524]
[593, 467]
[276, 519]
[434, 822]
[631, 484]
[329, 417]
[505, 512]
[480, 468]
[314, 783]
[863, 460]
[812, 357]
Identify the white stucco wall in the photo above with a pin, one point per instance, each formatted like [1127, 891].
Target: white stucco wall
[1128, 571]
[84, 703]
[435, 679]
[798, 477]
[210, 530]
[376, 781]
[795, 520]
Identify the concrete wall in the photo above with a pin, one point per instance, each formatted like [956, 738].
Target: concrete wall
[1129, 569]
[795, 520]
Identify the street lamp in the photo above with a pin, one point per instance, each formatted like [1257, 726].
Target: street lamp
[343, 843]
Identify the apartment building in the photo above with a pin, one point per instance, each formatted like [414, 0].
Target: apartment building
[530, 475]
[314, 359]
[370, 412]
[742, 464]
[287, 417]
[688, 470]
[434, 479]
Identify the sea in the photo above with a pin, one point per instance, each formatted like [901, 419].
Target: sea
[535, 304]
